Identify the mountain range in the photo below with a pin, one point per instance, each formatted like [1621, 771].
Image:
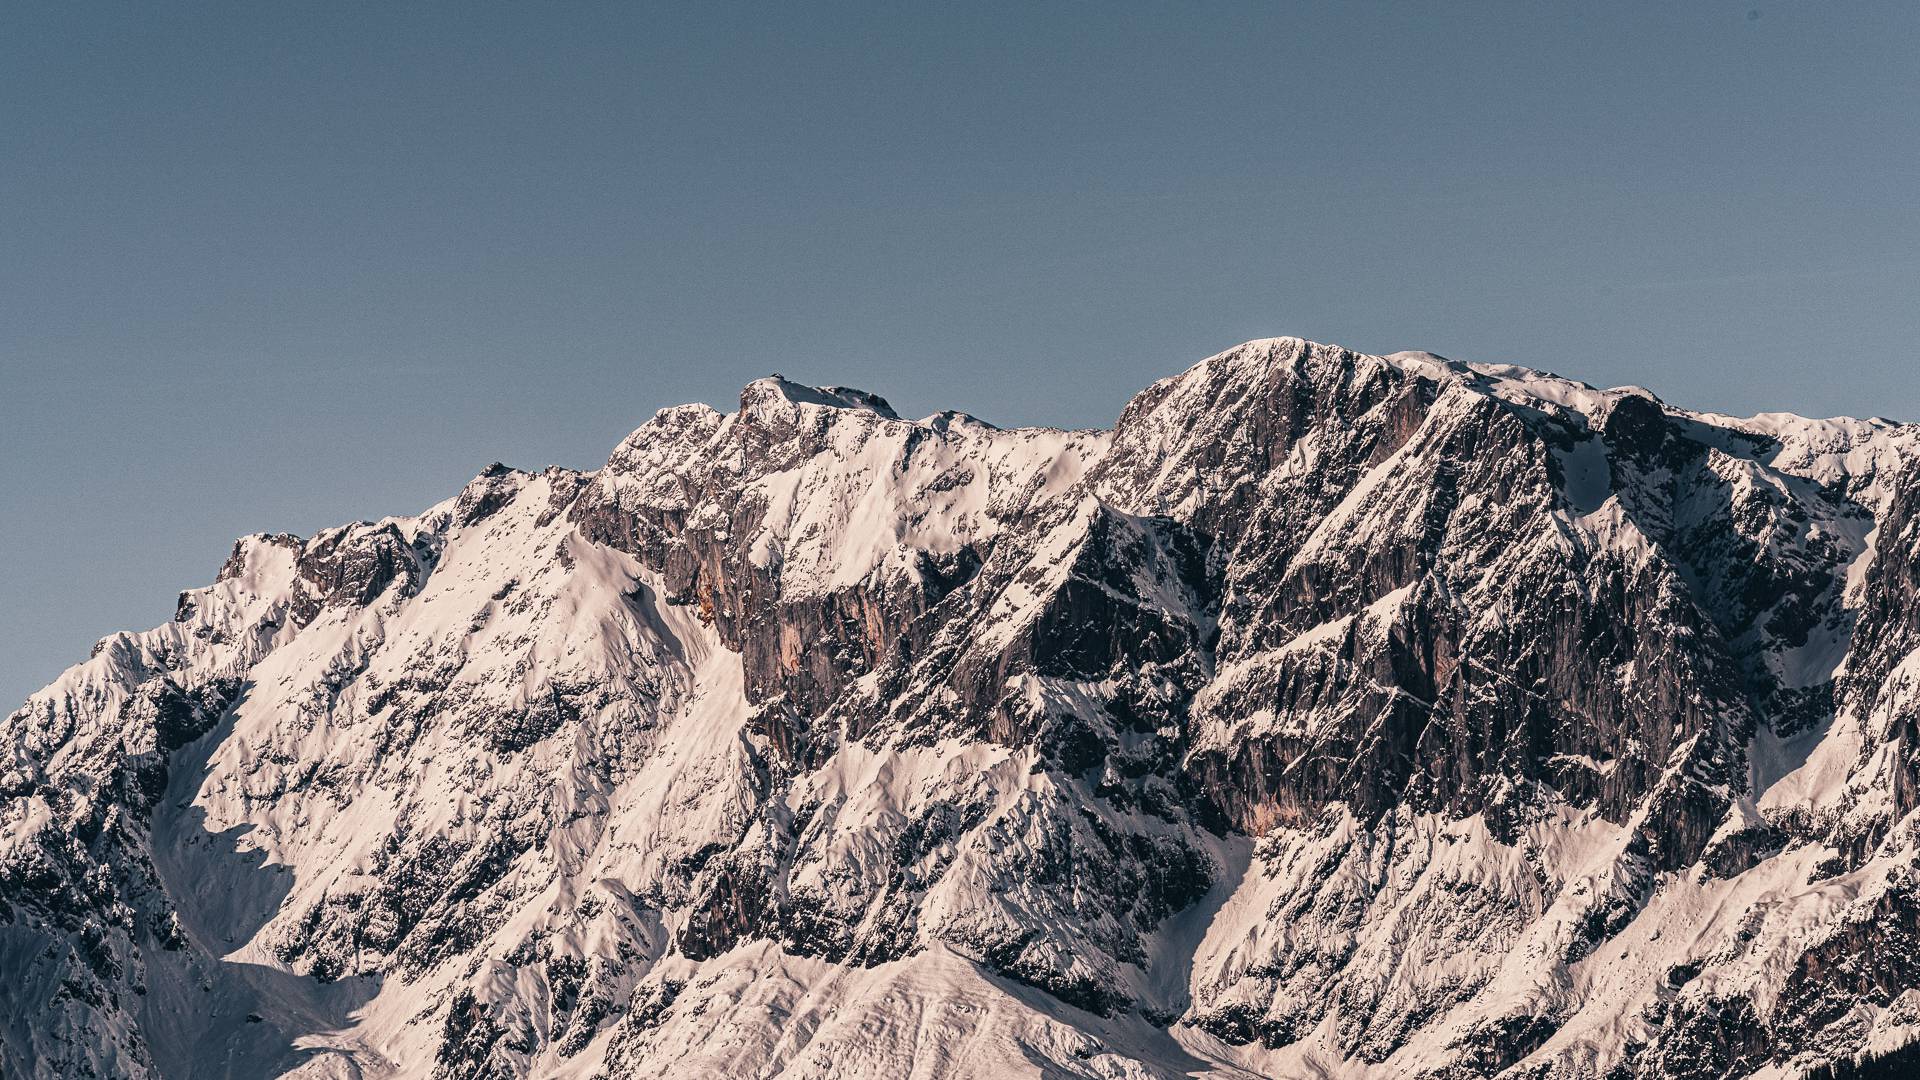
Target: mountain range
[1331, 715]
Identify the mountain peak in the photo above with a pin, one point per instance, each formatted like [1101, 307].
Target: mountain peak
[777, 393]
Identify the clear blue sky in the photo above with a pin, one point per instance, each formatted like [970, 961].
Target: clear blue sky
[276, 266]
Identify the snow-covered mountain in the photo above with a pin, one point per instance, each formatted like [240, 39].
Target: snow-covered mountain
[1331, 716]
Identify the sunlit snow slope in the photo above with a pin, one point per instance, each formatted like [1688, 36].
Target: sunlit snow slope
[1333, 715]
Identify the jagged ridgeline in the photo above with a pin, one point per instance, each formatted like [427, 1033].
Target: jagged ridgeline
[1332, 715]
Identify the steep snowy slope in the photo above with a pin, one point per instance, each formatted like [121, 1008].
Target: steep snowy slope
[1333, 715]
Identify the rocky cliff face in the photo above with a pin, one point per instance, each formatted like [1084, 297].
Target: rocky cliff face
[1332, 715]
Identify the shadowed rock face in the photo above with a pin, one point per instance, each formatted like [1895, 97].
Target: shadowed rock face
[1361, 712]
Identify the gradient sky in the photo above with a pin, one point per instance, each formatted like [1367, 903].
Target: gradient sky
[278, 266]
